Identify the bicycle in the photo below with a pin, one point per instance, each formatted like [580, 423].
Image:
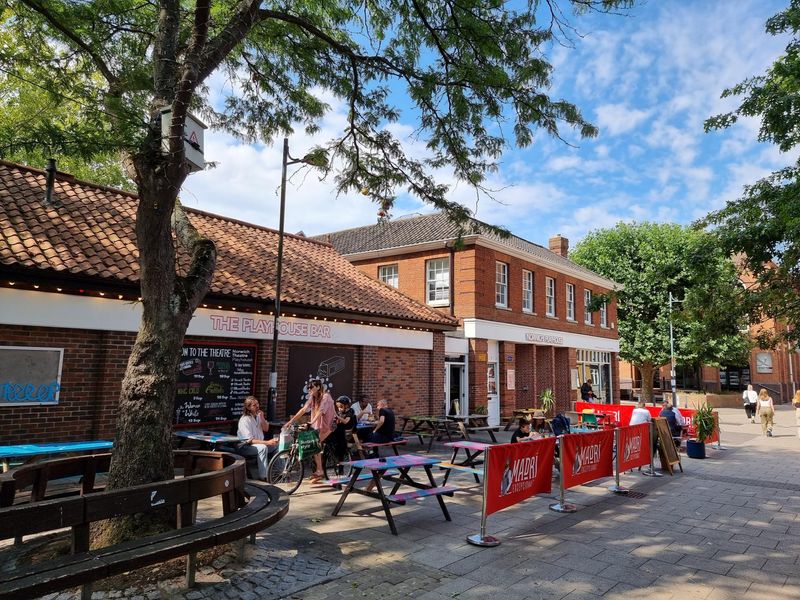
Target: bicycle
[286, 471]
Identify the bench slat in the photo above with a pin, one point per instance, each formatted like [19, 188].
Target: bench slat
[334, 481]
[398, 442]
[466, 469]
[437, 491]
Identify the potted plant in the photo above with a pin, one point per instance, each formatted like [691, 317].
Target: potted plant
[703, 422]
[480, 409]
[548, 400]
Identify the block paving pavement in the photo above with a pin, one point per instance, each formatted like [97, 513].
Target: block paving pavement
[726, 528]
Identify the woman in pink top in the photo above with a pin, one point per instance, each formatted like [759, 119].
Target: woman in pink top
[320, 404]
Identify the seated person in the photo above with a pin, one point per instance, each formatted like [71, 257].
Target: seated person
[523, 431]
[383, 431]
[672, 420]
[640, 414]
[251, 430]
[344, 421]
[363, 413]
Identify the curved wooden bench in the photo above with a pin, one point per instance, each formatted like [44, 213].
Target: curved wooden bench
[247, 508]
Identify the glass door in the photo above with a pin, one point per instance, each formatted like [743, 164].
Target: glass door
[455, 390]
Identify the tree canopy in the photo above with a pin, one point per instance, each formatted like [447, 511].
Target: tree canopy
[651, 260]
[762, 227]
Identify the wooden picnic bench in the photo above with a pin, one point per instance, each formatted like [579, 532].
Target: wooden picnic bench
[247, 507]
[393, 445]
[30, 452]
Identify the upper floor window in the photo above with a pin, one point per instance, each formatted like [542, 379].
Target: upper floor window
[587, 304]
[527, 291]
[388, 275]
[550, 294]
[438, 281]
[604, 314]
[570, 302]
[501, 284]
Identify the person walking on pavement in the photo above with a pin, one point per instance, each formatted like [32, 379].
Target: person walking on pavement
[766, 411]
[796, 403]
[750, 399]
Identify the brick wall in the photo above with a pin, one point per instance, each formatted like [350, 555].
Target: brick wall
[95, 361]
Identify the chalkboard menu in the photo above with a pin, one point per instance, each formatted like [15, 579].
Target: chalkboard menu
[213, 380]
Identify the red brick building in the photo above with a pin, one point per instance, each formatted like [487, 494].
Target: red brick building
[69, 313]
[524, 323]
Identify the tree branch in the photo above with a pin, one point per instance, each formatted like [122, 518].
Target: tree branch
[58, 25]
[165, 50]
[203, 254]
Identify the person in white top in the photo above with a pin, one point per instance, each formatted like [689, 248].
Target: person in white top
[251, 430]
[750, 399]
[766, 411]
[640, 414]
[362, 414]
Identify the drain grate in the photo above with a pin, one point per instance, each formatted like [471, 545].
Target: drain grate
[635, 495]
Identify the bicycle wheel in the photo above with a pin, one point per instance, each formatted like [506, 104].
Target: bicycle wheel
[285, 471]
[330, 462]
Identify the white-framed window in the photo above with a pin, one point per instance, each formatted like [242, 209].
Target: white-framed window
[570, 302]
[438, 281]
[604, 314]
[550, 295]
[388, 275]
[764, 362]
[527, 291]
[501, 284]
[587, 302]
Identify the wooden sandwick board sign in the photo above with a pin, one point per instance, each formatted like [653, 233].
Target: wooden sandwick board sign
[666, 447]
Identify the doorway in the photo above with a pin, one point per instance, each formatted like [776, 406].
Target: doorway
[455, 385]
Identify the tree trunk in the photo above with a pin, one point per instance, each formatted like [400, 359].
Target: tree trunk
[646, 370]
[143, 444]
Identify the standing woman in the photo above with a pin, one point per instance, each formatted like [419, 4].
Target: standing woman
[766, 410]
[796, 402]
[320, 403]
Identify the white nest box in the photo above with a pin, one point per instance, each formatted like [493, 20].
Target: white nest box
[192, 139]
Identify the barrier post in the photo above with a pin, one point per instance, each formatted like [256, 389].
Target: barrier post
[617, 488]
[561, 506]
[481, 539]
[652, 471]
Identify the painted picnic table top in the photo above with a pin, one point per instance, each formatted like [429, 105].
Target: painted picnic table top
[53, 448]
[395, 462]
[210, 437]
[476, 417]
[469, 445]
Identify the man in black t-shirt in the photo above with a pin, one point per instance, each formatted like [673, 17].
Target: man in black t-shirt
[383, 430]
[522, 432]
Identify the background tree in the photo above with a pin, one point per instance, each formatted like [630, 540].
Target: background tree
[763, 226]
[651, 260]
[469, 69]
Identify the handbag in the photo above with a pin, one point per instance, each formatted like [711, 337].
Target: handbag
[308, 443]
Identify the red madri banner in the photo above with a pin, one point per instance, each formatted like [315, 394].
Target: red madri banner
[586, 457]
[518, 471]
[621, 413]
[634, 446]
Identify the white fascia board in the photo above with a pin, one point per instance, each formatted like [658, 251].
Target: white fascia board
[42, 309]
[519, 334]
[400, 250]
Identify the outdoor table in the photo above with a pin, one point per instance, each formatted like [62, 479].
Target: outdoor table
[32, 451]
[473, 457]
[464, 422]
[207, 438]
[435, 427]
[403, 464]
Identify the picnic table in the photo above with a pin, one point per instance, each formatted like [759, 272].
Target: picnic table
[432, 427]
[378, 467]
[535, 415]
[472, 424]
[211, 439]
[473, 459]
[31, 452]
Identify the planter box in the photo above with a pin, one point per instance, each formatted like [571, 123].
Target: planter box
[695, 449]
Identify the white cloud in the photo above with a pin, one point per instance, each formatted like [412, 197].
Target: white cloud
[619, 118]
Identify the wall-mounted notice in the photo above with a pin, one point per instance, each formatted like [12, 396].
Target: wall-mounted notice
[29, 375]
[213, 380]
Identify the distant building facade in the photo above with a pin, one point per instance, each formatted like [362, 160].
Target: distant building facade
[525, 323]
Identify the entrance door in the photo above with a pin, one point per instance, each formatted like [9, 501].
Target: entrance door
[455, 390]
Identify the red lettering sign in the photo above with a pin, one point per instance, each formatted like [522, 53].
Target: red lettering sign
[586, 457]
[515, 472]
[634, 446]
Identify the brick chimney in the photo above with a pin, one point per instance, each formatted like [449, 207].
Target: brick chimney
[559, 245]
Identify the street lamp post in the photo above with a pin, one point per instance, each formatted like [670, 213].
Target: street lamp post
[273, 375]
[672, 355]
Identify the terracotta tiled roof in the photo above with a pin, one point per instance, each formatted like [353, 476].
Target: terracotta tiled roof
[403, 233]
[89, 230]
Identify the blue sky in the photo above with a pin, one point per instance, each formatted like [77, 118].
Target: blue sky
[648, 80]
